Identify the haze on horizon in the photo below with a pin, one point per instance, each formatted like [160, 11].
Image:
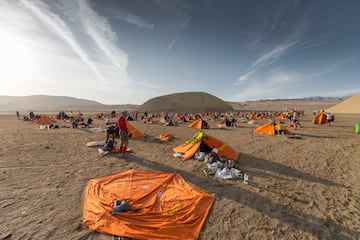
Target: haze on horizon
[119, 52]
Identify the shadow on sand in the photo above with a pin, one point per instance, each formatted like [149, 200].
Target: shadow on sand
[316, 226]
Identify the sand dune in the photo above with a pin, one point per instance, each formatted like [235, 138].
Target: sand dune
[351, 105]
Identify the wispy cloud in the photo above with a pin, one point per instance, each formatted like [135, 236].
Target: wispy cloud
[266, 60]
[245, 77]
[182, 27]
[272, 56]
[278, 84]
[307, 45]
[55, 24]
[291, 42]
[254, 44]
[130, 18]
[101, 33]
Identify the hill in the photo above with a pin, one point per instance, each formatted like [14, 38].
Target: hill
[185, 102]
[45, 103]
[285, 104]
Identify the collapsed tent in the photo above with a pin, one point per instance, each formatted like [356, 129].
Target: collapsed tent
[44, 119]
[268, 128]
[159, 205]
[134, 132]
[190, 147]
[199, 124]
[166, 136]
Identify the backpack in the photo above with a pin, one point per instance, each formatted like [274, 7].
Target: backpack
[110, 145]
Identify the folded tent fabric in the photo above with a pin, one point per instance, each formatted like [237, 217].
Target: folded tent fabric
[44, 119]
[163, 205]
[191, 146]
[199, 124]
[135, 133]
[166, 136]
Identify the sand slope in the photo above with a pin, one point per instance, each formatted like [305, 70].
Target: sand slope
[351, 105]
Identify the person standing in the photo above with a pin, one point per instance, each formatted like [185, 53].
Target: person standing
[328, 118]
[111, 126]
[295, 119]
[124, 135]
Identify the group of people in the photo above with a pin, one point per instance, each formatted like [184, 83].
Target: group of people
[295, 123]
[117, 125]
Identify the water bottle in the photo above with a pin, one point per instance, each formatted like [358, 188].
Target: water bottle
[246, 178]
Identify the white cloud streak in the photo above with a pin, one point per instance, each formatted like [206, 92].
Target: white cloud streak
[101, 33]
[243, 78]
[266, 60]
[55, 24]
[132, 19]
[277, 84]
[182, 27]
[272, 56]
[292, 42]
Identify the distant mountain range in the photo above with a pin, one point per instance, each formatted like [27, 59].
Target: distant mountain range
[48, 103]
[55, 103]
[316, 98]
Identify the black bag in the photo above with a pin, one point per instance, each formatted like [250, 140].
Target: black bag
[110, 145]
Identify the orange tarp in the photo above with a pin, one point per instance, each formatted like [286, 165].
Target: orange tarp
[135, 133]
[190, 147]
[163, 205]
[166, 136]
[44, 120]
[268, 128]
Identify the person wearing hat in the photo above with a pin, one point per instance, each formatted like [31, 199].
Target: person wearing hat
[124, 135]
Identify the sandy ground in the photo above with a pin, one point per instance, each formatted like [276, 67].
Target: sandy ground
[300, 188]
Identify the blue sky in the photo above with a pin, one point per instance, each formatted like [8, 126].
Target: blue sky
[128, 51]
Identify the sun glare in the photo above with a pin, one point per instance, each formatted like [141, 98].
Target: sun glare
[16, 60]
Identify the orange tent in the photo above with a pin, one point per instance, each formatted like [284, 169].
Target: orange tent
[163, 205]
[45, 120]
[320, 118]
[135, 133]
[281, 117]
[190, 147]
[199, 124]
[166, 136]
[268, 128]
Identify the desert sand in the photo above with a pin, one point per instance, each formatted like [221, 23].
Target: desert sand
[299, 188]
